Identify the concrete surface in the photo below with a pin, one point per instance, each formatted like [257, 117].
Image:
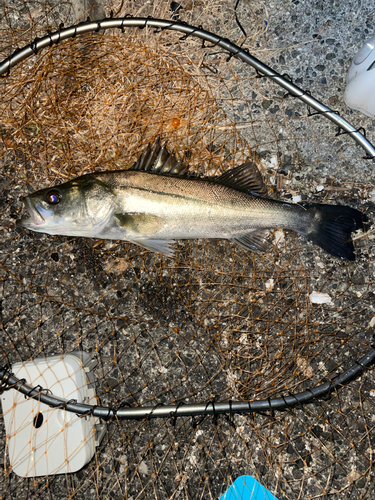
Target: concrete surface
[216, 321]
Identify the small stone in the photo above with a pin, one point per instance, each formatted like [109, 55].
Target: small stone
[279, 237]
[55, 256]
[320, 298]
[143, 468]
[285, 168]
[266, 103]
[270, 284]
[333, 100]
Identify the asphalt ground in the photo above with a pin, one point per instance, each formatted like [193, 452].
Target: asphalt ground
[216, 322]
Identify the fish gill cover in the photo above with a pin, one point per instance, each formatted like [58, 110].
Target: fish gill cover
[216, 322]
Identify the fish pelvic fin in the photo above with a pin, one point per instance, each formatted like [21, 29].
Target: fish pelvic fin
[331, 227]
[245, 177]
[160, 246]
[255, 240]
[158, 160]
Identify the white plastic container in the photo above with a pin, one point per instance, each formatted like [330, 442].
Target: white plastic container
[360, 80]
[45, 441]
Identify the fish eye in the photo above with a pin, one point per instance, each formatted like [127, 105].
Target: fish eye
[53, 197]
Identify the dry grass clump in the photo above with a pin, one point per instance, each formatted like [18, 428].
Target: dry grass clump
[94, 102]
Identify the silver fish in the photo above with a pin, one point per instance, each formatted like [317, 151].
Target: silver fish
[155, 202]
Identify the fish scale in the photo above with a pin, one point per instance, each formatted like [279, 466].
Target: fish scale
[219, 211]
[155, 202]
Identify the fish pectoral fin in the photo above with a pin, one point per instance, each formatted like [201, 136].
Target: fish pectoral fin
[256, 240]
[159, 246]
[140, 223]
[245, 177]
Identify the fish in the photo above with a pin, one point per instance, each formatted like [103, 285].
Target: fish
[156, 201]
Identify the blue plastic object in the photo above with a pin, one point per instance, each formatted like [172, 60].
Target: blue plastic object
[247, 488]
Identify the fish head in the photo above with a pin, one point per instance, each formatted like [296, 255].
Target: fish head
[76, 208]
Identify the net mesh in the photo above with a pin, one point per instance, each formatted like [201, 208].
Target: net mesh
[214, 323]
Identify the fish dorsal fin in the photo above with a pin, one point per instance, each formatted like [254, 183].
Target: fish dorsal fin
[158, 160]
[245, 177]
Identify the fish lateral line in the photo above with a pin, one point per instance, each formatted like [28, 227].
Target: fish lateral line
[233, 206]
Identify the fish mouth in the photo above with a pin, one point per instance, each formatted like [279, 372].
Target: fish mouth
[35, 218]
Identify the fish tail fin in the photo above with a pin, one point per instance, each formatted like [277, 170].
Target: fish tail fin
[331, 227]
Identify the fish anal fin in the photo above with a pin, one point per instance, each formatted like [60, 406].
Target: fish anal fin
[140, 223]
[245, 177]
[255, 240]
[159, 161]
[160, 246]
